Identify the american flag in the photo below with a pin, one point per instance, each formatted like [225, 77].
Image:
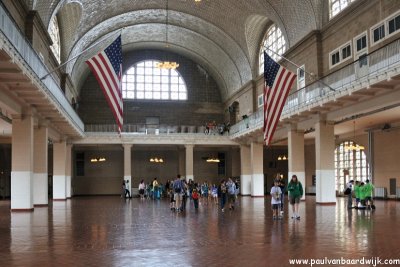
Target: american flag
[107, 67]
[278, 82]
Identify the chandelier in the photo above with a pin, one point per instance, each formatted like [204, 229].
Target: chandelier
[168, 65]
[351, 146]
[156, 160]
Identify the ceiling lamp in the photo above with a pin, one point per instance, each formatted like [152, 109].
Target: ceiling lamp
[98, 159]
[351, 146]
[168, 65]
[156, 160]
[282, 157]
[212, 160]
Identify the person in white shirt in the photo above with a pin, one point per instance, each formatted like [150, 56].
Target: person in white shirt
[276, 193]
[142, 187]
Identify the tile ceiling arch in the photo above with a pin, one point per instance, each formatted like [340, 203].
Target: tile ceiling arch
[237, 68]
[69, 17]
[296, 18]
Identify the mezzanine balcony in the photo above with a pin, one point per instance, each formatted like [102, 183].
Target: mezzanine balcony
[369, 76]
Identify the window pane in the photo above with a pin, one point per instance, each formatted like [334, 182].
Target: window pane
[140, 95]
[130, 78]
[164, 95]
[174, 96]
[140, 78]
[156, 95]
[165, 87]
[156, 79]
[140, 71]
[148, 95]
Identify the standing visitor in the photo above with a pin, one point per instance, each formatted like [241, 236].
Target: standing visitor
[142, 187]
[369, 189]
[295, 189]
[282, 185]
[276, 195]
[222, 194]
[178, 188]
[349, 193]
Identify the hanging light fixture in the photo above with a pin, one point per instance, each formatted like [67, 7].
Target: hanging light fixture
[351, 146]
[212, 160]
[156, 160]
[97, 158]
[168, 65]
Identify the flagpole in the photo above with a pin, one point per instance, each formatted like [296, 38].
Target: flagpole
[297, 66]
[63, 64]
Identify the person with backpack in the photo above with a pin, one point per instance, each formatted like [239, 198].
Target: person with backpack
[178, 188]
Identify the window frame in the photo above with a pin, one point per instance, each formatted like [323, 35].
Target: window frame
[339, 50]
[260, 100]
[373, 28]
[363, 51]
[393, 16]
[301, 79]
[151, 83]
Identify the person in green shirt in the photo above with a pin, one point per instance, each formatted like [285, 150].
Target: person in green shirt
[362, 195]
[295, 189]
[369, 188]
[357, 192]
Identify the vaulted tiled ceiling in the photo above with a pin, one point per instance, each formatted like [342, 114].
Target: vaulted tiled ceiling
[221, 35]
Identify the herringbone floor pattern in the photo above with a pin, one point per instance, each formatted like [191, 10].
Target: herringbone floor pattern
[110, 231]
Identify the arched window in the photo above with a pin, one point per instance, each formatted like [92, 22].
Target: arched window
[54, 32]
[336, 6]
[274, 41]
[145, 81]
[350, 164]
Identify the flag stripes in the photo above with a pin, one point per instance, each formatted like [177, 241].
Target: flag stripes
[278, 82]
[107, 68]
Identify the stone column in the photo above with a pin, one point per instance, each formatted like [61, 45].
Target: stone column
[296, 163]
[189, 162]
[181, 161]
[68, 170]
[128, 166]
[22, 163]
[245, 171]
[324, 165]
[59, 170]
[257, 169]
[40, 168]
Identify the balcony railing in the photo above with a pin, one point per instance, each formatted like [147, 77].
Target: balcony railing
[11, 33]
[154, 129]
[344, 80]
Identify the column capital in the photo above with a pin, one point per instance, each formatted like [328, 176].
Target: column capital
[189, 146]
[127, 146]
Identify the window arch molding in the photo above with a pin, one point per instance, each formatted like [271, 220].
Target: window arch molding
[274, 40]
[54, 32]
[144, 81]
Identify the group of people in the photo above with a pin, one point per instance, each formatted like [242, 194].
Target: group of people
[214, 128]
[362, 192]
[225, 193]
[295, 189]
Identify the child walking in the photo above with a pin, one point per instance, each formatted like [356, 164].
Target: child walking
[195, 197]
[276, 200]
